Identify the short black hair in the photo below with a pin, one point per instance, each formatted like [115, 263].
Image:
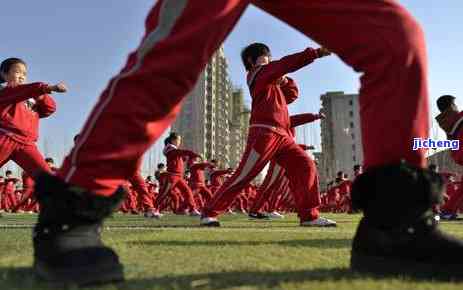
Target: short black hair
[8, 172]
[172, 136]
[444, 102]
[6, 65]
[49, 160]
[161, 165]
[357, 167]
[252, 53]
[432, 167]
[340, 173]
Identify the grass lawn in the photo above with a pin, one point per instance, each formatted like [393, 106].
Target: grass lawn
[175, 253]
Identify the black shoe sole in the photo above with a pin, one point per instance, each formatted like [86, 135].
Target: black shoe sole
[382, 266]
[97, 275]
[211, 225]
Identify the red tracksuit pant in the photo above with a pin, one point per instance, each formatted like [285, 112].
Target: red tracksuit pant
[27, 156]
[172, 183]
[279, 190]
[145, 199]
[274, 175]
[262, 146]
[454, 203]
[202, 191]
[379, 38]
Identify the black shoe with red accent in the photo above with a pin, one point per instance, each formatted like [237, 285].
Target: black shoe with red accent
[399, 232]
[258, 216]
[67, 238]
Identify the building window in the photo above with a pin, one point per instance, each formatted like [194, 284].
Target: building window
[354, 159]
[353, 136]
[351, 114]
[351, 124]
[353, 147]
[350, 102]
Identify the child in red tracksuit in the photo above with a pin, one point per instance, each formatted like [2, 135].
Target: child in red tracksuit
[9, 197]
[217, 177]
[198, 179]
[175, 169]
[450, 120]
[270, 135]
[275, 172]
[21, 107]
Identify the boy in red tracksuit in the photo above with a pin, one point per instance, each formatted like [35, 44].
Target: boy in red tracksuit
[450, 120]
[275, 172]
[379, 39]
[144, 197]
[216, 178]
[153, 185]
[21, 107]
[270, 135]
[277, 178]
[30, 202]
[175, 169]
[333, 196]
[344, 192]
[9, 191]
[157, 174]
[198, 179]
[449, 211]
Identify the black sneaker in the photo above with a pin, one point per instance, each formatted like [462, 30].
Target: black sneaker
[399, 232]
[449, 216]
[67, 237]
[418, 249]
[258, 216]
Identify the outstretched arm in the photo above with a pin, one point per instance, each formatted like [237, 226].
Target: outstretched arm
[291, 63]
[301, 119]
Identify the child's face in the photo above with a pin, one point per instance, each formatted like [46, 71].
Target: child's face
[17, 75]
[177, 141]
[264, 59]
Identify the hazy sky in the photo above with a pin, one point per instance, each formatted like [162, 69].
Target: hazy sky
[86, 42]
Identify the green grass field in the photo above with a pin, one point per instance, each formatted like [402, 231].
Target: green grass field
[175, 253]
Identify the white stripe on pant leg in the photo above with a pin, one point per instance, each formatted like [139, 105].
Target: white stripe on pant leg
[276, 172]
[247, 168]
[251, 161]
[169, 13]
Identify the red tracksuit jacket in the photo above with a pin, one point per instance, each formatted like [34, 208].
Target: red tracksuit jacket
[197, 172]
[216, 177]
[19, 115]
[174, 156]
[270, 100]
[10, 185]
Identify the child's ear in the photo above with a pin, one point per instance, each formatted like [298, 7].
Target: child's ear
[249, 60]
